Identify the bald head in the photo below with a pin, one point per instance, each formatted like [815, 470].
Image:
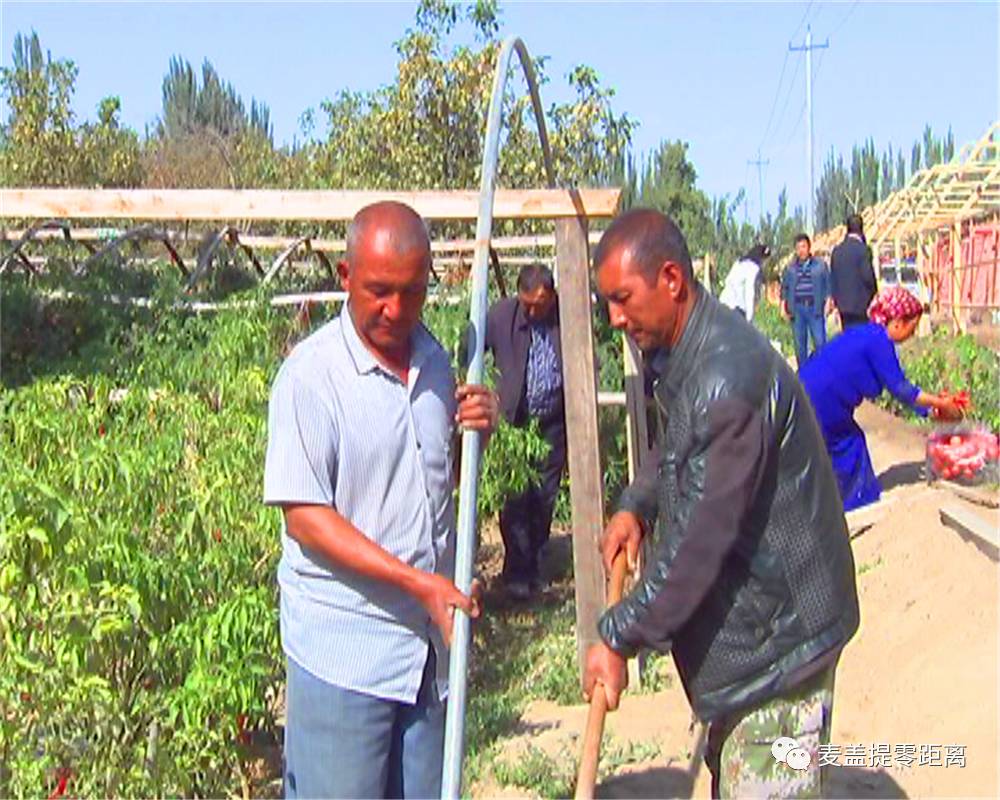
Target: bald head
[388, 229]
[650, 238]
[385, 272]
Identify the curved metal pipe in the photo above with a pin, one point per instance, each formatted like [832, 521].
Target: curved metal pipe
[27, 236]
[454, 740]
[143, 233]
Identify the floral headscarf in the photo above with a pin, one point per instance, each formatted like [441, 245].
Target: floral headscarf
[894, 303]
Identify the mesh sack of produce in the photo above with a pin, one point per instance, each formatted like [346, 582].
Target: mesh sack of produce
[962, 453]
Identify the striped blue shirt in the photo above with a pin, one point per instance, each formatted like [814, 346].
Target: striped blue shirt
[345, 432]
[804, 281]
[543, 375]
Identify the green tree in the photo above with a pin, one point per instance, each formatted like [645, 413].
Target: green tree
[667, 181]
[111, 154]
[214, 104]
[206, 137]
[779, 233]
[872, 177]
[41, 143]
[426, 129]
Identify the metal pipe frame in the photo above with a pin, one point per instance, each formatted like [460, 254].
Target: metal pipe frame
[454, 739]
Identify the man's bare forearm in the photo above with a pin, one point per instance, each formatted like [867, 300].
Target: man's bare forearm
[322, 529]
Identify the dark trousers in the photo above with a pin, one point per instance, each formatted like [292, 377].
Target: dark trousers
[526, 518]
[848, 320]
[807, 322]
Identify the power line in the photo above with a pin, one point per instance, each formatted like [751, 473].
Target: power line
[774, 103]
[788, 97]
[847, 16]
[802, 110]
[746, 213]
[759, 163]
[802, 21]
[807, 48]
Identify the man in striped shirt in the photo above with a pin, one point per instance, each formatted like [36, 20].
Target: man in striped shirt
[805, 298]
[360, 450]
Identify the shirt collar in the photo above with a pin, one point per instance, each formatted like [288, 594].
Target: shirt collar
[365, 361]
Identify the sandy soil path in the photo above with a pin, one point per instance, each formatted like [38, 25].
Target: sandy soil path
[921, 671]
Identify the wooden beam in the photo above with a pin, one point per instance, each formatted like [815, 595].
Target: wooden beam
[611, 399]
[637, 431]
[956, 276]
[586, 481]
[637, 444]
[273, 204]
[972, 527]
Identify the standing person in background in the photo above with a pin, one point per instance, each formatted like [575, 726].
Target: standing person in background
[852, 277]
[805, 298]
[862, 363]
[742, 286]
[523, 334]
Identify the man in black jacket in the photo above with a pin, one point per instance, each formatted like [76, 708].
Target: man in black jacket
[523, 334]
[852, 277]
[750, 578]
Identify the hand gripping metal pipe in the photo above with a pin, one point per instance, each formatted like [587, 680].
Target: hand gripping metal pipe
[454, 737]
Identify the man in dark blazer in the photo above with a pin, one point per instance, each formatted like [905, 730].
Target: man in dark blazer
[523, 334]
[852, 276]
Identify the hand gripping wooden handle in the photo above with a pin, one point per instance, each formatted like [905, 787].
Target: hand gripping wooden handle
[586, 778]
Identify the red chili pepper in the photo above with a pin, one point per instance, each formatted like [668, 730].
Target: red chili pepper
[217, 534]
[101, 430]
[242, 734]
[64, 775]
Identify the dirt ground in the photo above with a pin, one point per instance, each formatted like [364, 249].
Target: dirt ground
[921, 671]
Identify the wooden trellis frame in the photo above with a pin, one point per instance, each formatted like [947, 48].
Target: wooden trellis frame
[936, 202]
[450, 256]
[570, 209]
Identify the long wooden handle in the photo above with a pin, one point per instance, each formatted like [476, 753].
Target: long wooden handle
[586, 778]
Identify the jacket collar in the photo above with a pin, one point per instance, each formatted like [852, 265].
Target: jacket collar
[674, 364]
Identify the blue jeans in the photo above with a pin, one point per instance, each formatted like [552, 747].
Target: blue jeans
[807, 322]
[340, 743]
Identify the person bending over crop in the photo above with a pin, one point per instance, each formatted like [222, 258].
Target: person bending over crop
[749, 579]
[862, 363]
[359, 459]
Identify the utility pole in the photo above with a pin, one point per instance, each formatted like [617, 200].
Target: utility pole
[807, 48]
[760, 180]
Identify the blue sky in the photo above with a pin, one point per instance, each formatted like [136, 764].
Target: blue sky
[707, 73]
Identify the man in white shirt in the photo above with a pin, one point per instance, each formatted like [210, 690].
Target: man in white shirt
[742, 285]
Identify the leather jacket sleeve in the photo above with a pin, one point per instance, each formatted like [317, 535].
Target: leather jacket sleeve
[719, 481]
[640, 496]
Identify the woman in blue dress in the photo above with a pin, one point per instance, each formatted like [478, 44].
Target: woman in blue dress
[861, 363]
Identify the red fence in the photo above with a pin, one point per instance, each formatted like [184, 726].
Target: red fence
[976, 275]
